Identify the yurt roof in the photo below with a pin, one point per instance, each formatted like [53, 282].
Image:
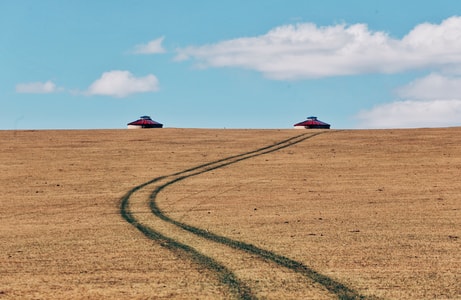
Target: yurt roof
[144, 120]
[312, 121]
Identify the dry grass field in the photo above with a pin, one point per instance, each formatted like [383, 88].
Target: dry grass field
[230, 214]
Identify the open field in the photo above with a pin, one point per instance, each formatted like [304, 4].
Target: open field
[229, 214]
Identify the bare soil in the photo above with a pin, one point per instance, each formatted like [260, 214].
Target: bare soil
[375, 211]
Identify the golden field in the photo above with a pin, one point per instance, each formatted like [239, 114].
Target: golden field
[228, 214]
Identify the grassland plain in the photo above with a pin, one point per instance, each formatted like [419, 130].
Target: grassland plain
[375, 210]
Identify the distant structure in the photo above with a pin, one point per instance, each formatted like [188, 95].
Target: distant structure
[144, 122]
[312, 122]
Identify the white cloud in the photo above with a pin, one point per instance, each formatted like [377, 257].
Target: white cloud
[122, 83]
[431, 101]
[433, 86]
[307, 51]
[152, 47]
[412, 114]
[36, 87]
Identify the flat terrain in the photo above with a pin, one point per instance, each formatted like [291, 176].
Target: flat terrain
[229, 214]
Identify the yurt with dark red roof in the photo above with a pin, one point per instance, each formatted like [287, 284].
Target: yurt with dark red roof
[312, 123]
[144, 122]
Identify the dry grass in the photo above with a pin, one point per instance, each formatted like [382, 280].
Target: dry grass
[377, 211]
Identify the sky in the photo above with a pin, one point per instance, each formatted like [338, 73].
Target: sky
[356, 64]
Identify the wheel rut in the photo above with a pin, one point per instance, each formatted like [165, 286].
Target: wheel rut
[248, 271]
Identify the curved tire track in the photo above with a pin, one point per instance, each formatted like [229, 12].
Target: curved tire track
[225, 275]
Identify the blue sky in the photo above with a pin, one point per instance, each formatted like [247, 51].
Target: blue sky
[230, 63]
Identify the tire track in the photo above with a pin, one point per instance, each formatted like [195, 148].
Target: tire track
[226, 276]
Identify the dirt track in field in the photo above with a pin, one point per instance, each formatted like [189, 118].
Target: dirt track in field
[356, 212]
[267, 264]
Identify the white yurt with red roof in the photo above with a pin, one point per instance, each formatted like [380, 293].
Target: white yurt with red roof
[144, 122]
[312, 122]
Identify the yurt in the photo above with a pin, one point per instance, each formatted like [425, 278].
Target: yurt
[312, 123]
[144, 122]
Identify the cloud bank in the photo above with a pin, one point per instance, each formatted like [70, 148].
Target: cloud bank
[432, 87]
[307, 51]
[115, 83]
[304, 51]
[412, 114]
[431, 101]
[122, 84]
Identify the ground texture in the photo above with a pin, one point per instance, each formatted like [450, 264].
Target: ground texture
[229, 214]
